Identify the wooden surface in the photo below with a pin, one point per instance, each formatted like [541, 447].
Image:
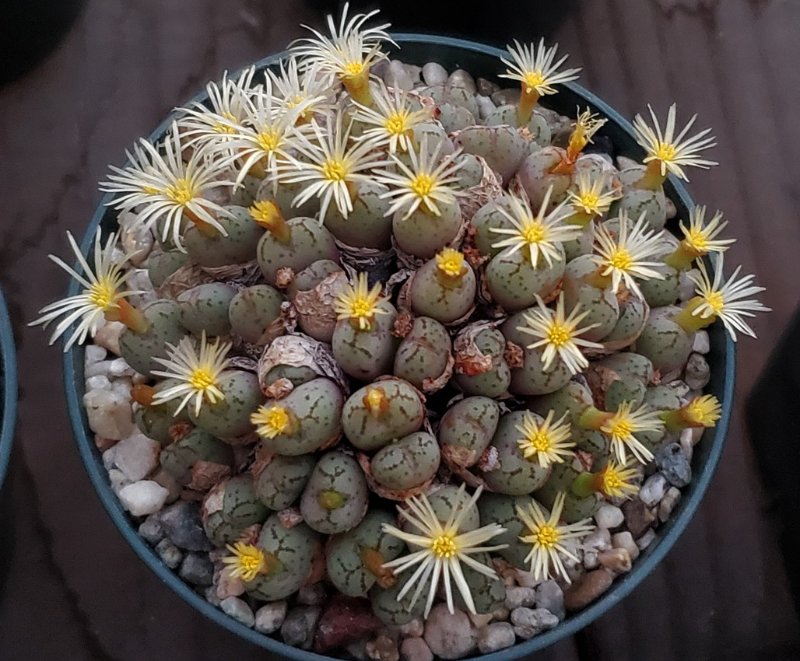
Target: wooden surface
[74, 588]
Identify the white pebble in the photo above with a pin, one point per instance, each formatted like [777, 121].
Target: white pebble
[270, 617]
[109, 414]
[119, 367]
[100, 368]
[434, 73]
[599, 540]
[668, 503]
[624, 540]
[653, 489]
[645, 540]
[98, 382]
[94, 354]
[142, 498]
[117, 480]
[137, 456]
[108, 458]
[608, 516]
[701, 343]
[108, 336]
[122, 387]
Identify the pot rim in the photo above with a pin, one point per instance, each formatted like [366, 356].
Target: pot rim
[8, 363]
[669, 532]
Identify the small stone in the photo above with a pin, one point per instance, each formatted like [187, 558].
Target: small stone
[270, 617]
[197, 569]
[383, 648]
[549, 595]
[397, 76]
[500, 614]
[673, 464]
[108, 335]
[311, 595]
[100, 368]
[226, 585]
[211, 597]
[168, 482]
[414, 628]
[98, 382]
[142, 498]
[345, 620]
[686, 285]
[701, 343]
[653, 489]
[109, 414]
[449, 635]
[584, 591]
[152, 530]
[170, 554]
[668, 503]
[136, 456]
[528, 622]
[599, 540]
[487, 87]
[590, 559]
[497, 636]
[93, 354]
[624, 540]
[434, 73]
[108, 458]
[117, 480]
[119, 368]
[463, 79]
[616, 560]
[299, 626]
[506, 96]
[182, 524]
[238, 610]
[517, 596]
[122, 387]
[609, 516]
[637, 517]
[698, 373]
[645, 540]
[479, 620]
[415, 649]
[525, 578]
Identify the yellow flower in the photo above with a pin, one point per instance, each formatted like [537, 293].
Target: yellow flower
[622, 426]
[547, 538]
[590, 197]
[198, 372]
[535, 68]
[274, 420]
[700, 238]
[702, 411]
[103, 291]
[451, 263]
[438, 549]
[669, 151]
[558, 334]
[545, 441]
[541, 234]
[391, 118]
[360, 304]
[618, 480]
[585, 127]
[245, 562]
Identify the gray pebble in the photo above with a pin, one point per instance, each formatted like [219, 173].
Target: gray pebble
[497, 636]
[487, 87]
[169, 553]
[529, 622]
[212, 597]
[398, 76]
[299, 626]
[197, 569]
[183, 526]
[609, 516]
[434, 73]
[674, 465]
[270, 617]
[645, 540]
[698, 373]
[624, 540]
[413, 629]
[701, 343]
[415, 649]
[516, 597]
[549, 595]
[450, 635]
[311, 595]
[152, 530]
[653, 489]
[238, 610]
[668, 503]
[599, 540]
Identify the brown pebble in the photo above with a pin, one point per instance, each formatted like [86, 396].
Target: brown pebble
[588, 588]
[415, 649]
[383, 648]
[345, 620]
[617, 560]
[637, 517]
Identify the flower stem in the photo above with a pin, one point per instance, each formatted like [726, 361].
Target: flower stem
[357, 86]
[527, 102]
[690, 322]
[593, 418]
[579, 218]
[597, 280]
[652, 179]
[373, 560]
[130, 316]
[681, 259]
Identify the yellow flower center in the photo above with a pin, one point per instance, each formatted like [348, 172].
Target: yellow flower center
[444, 546]
[246, 562]
[396, 123]
[422, 185]
[201, 379]
[540, 441]
[181, 192]
[534, 232]
[334, 170]
[619, 428]
[716, 301]
[558, 334]
[220, 127]
[666, 152]
[272, 421]
[103, 295]
[375, 400]
[704, 410]
[697, 240]
[612, 482]
[361, 307]
[547, 536]
[354, 68]
[533, 79]
[269, 140]
[265, 212]
[621, 259]
[450, 262]
[590, 202]
[295, 101]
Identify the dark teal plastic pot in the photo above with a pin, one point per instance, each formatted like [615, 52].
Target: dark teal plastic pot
[8, 382]
[480, 61]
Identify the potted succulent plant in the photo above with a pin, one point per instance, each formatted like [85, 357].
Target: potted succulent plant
[387, 359]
